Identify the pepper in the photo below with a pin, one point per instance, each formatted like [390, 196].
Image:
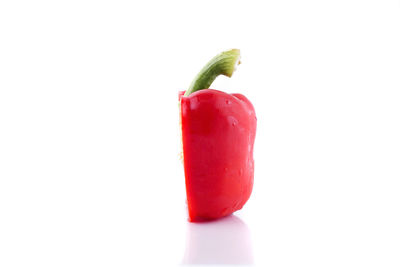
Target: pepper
[218, 132]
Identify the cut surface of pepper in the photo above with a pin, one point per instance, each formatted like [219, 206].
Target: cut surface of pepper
[218, 133]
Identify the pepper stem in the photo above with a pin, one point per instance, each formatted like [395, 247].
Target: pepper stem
[224, 63]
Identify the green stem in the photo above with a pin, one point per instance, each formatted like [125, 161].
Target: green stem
[224, 63]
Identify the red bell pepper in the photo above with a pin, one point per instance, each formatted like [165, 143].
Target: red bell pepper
[218, 132]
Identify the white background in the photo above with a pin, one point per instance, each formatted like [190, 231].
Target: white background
[89, 136]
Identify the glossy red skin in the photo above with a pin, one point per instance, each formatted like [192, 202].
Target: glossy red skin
[218, 132]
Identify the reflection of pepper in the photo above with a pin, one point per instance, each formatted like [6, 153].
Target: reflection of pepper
[218, 131]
